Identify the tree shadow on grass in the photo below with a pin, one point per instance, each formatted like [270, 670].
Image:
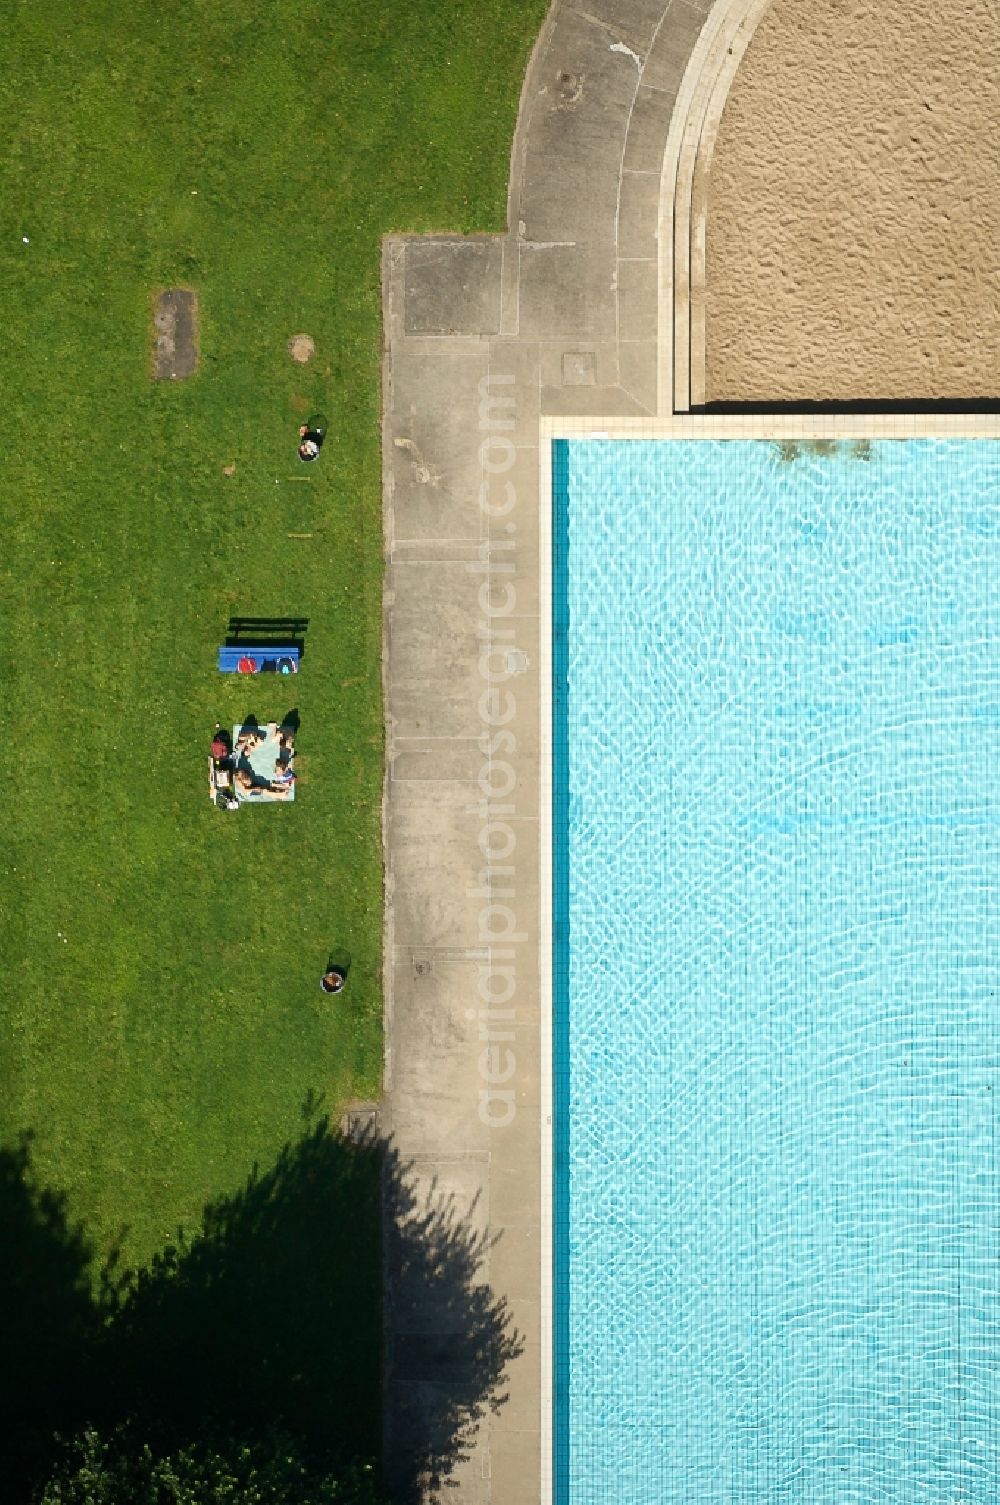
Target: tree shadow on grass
[50, 1324]
[269, 1315]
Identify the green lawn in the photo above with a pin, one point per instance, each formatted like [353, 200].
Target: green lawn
[163, 1025]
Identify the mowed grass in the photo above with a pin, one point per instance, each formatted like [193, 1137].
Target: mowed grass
[163, 1026]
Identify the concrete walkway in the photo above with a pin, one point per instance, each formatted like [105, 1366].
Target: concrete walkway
[573, 312]
[589, 314]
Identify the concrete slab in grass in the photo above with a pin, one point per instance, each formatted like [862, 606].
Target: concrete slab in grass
[175, 323]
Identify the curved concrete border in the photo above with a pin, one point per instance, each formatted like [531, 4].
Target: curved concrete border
[608, 196]
[684, 198]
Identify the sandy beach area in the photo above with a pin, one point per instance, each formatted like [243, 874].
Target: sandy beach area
[853, 239]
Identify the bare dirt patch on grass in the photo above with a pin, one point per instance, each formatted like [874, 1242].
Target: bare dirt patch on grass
[301, 348]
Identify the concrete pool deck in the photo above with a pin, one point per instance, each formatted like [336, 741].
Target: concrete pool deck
[587, 316]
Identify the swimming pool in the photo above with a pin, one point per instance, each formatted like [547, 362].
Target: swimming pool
[776, 810]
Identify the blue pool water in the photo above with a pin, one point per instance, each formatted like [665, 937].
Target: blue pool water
[777, 1053]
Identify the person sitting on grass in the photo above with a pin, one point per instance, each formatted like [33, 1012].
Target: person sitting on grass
[252, 786]
[311, 436]
[284, 735]
[221, 750]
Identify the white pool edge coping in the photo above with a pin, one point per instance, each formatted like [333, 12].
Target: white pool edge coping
[789, 426]
[545, 1293]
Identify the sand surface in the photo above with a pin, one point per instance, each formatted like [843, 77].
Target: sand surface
[853, 239]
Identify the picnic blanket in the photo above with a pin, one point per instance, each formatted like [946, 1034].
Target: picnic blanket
[260, 765]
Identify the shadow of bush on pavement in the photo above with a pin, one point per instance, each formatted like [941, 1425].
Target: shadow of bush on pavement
[449, 1338]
